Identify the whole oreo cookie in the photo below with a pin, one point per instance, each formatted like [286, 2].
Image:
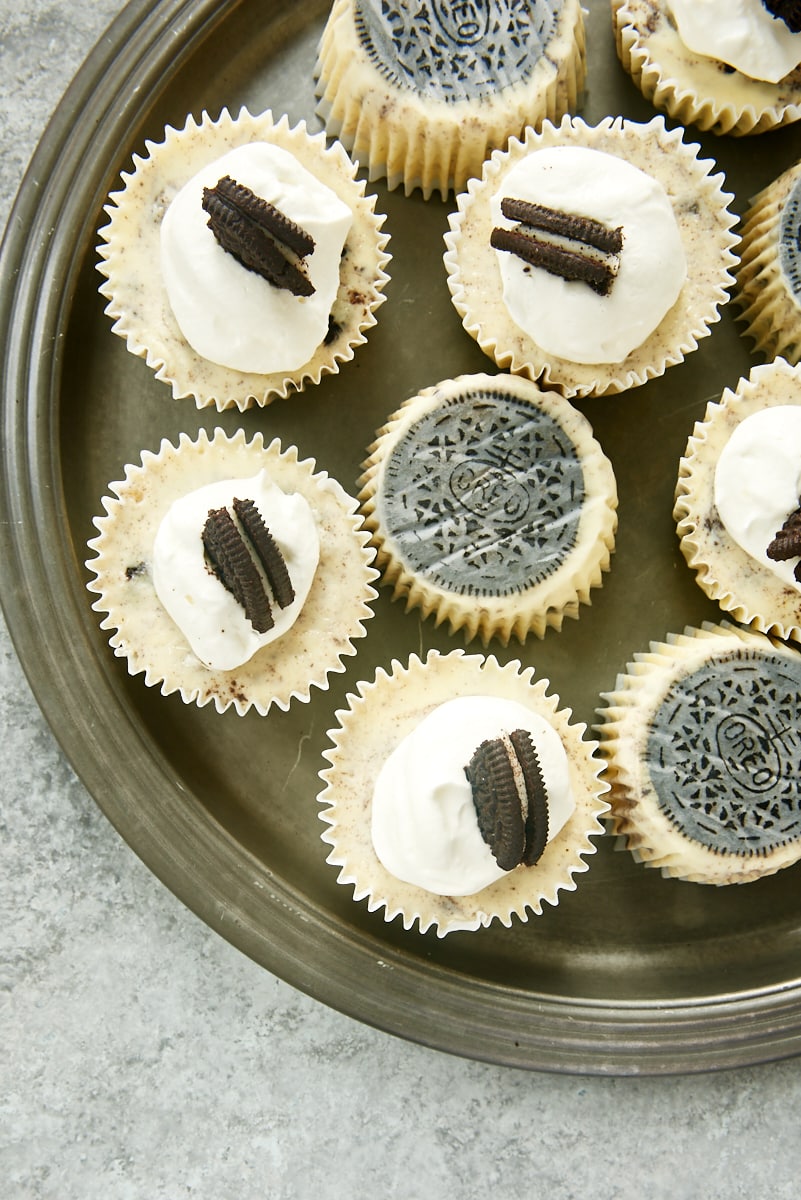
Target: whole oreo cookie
[456, 51]
[421, 94]
[701, 737]
[491, 505]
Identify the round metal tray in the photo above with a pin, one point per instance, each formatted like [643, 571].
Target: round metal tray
[630, 973]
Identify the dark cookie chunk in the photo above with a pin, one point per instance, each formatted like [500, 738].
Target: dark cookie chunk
[259, 236]
[579, 229]
[536, 794]
[787, 542]
[788, 11]
[236, 570]
[267, 551]
[554, 258]
[514, 825]
[586, 251]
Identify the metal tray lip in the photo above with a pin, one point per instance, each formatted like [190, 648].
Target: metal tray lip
[41, 592]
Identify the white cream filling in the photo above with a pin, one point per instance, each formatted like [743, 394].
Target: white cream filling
[424, 825]
[229, 314]
[567, 318]
[741, 33]
[211, 620]
[758, 483]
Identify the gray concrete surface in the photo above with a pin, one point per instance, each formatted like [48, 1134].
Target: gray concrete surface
[142, 1058]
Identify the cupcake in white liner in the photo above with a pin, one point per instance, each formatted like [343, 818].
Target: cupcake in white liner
[738, 497]
[492, 506]
[701, 739]
[222, 624]
[726, 66]
[592, 258]
[420, 96]
[397, 785]
[239, 304]
[768, 287]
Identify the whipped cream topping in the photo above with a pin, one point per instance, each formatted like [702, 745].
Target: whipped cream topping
[742, 33]
[424, 825]
[758, 483]
[209, 617]
[567, 318]
[229, 314]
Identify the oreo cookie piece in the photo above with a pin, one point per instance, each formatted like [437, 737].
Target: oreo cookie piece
[422, 93]
[244, 556]
[567, 244]
[259, 236]
[702, 740]
[510, 799]
[788, 11]
[787, 542]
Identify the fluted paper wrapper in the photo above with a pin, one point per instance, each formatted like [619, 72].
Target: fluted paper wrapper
[769, 309]
[475, 611]
[418, 141]
[704, 221]
[130, 254]
[743, 587]
[691, 88]
[379, 715]
[141, 630]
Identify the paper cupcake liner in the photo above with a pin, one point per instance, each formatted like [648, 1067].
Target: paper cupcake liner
[521, 610]
[732, 771]
[691, 88]
[130, 253]
[740, 584]
[769, 309]
[145, 635]
[427, 143]
[704, 221]
[378, 716]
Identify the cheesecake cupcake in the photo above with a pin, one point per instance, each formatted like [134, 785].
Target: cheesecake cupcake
[491, 505]
[591, 258]
[738, 500]
[459, 793]
[421, 95]
[701, 739]
[230, 571]
[768, 287]
[242, 259]
[727, 66]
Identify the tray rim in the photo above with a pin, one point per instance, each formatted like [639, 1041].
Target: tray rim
[44, 601]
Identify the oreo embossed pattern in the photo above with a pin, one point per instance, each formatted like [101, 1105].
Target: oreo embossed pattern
[491, 505]
[456, 51]
[702, 739]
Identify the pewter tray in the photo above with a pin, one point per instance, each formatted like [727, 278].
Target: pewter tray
[631, 973]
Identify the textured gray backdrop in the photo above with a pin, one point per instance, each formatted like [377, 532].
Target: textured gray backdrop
[143, 1058]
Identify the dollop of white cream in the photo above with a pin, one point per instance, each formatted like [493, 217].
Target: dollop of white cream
[211, 620]
[758, 483]
[424, 825]
[741, 33]
[567, 318]
[229, 314]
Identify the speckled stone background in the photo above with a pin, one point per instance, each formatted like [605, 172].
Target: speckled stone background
[143, 1058]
